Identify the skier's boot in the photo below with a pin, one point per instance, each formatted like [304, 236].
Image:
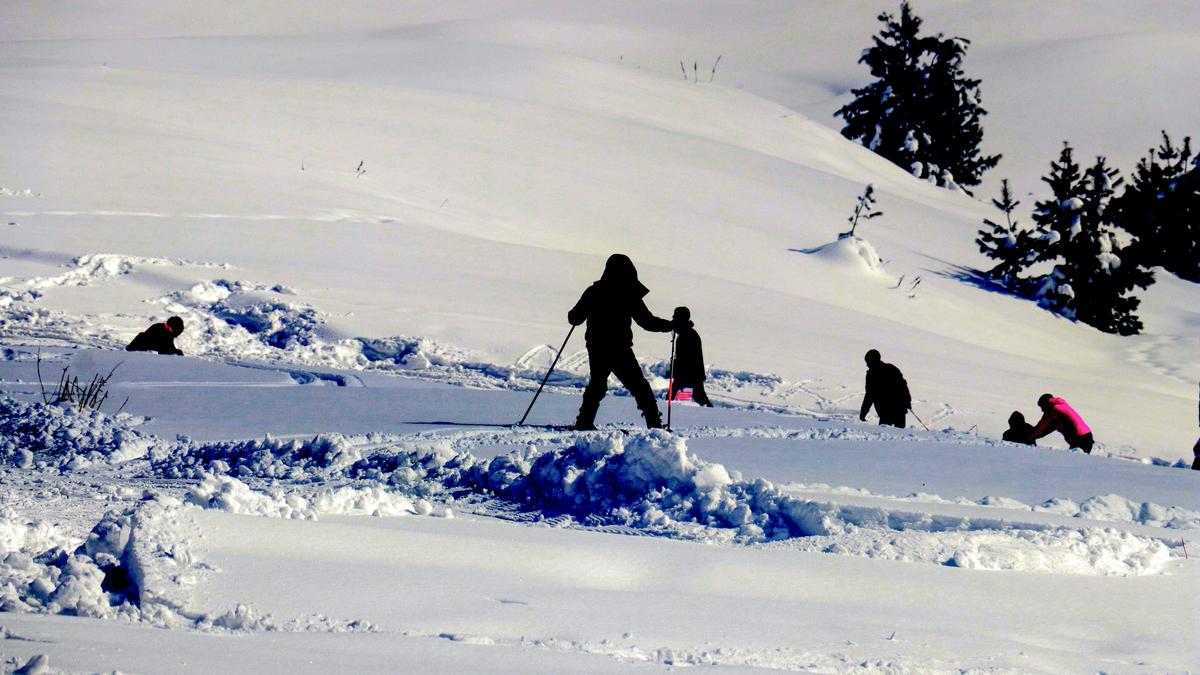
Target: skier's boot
[587, 418]
[653, 419]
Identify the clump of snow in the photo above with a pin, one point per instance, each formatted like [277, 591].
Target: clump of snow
[63, 436]
[230, 494]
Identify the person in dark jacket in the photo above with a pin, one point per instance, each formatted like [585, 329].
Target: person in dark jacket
[688, 367]
[1018, 430]
[158, 338]
[609, 306]
[886, 390]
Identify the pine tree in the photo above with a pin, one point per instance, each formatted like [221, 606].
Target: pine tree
[1162, 209]
[1006, 242]
[921, 112]
[1094, 270]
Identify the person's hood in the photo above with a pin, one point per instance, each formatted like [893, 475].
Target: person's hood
[1057, 401]
[619, 272]
[1015, 419]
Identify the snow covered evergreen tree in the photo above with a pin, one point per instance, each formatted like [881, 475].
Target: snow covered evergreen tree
[1161, 207]
[921, 112]
[1094, 270]
[1006, 242]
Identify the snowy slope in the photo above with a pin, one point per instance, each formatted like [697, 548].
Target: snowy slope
[483, 141]
[200, 160]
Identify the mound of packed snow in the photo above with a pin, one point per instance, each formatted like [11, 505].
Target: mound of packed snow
[64, 436]
[1093, 551]
[225, 493]
[267, 458]
[853, 254]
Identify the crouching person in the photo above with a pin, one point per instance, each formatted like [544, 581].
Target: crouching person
[158, 338]
[1058, 416]
[1019, 431]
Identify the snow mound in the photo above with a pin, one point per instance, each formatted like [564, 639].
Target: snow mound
[225, 493]
[232, 495]
[851, 254]
[137, 564]
[63, 436]
[1094, 551]
[1118, 509]
[651, 483]
[266, 458]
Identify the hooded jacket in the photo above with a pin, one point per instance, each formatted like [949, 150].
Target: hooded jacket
[611, 304]
[689, 355]
[157, 338]
[1063, 418]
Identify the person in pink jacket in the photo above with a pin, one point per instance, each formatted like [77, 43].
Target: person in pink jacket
[1057, 415]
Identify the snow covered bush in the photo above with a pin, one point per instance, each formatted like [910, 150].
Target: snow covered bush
[921, 112]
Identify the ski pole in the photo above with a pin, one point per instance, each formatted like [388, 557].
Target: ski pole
[671, 381]
[547, 377]
[914, 412]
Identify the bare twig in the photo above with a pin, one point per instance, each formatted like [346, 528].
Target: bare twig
[714, 69]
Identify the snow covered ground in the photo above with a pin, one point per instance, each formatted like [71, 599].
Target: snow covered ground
[328, 480]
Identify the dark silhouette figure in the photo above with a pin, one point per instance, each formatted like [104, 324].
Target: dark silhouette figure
[1019, 431]
[158, 338]
[609, 306]
[886, 390]
[1057, 415]
[688, 367]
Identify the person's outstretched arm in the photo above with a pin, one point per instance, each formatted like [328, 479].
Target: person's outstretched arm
[643, 317]
[1043, 428]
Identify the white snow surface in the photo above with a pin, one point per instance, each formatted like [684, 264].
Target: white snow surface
[373, 220]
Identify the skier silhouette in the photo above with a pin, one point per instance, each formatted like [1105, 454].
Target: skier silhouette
[886, 390]
[159, 337]
[688, 368]
[609, 306]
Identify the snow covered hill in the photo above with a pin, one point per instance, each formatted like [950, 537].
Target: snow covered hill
[373, 218]
[500, 171]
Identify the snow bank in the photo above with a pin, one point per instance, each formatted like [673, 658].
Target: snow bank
[266, 458]
[1118, 509]
[137, 564]
[650, 482]
[229, 494]
[1093, 551]
[66, 437]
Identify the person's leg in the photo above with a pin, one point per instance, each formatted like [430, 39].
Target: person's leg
[629, 372]
[1084, 442]
[893, 418]
[597, 387]
[700, 396]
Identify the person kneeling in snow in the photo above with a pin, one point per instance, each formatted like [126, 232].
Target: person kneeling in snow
[887, 390]
[158, 338]
[1058, 416]
[1018, 430]
[609, 306]
[687, 371]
